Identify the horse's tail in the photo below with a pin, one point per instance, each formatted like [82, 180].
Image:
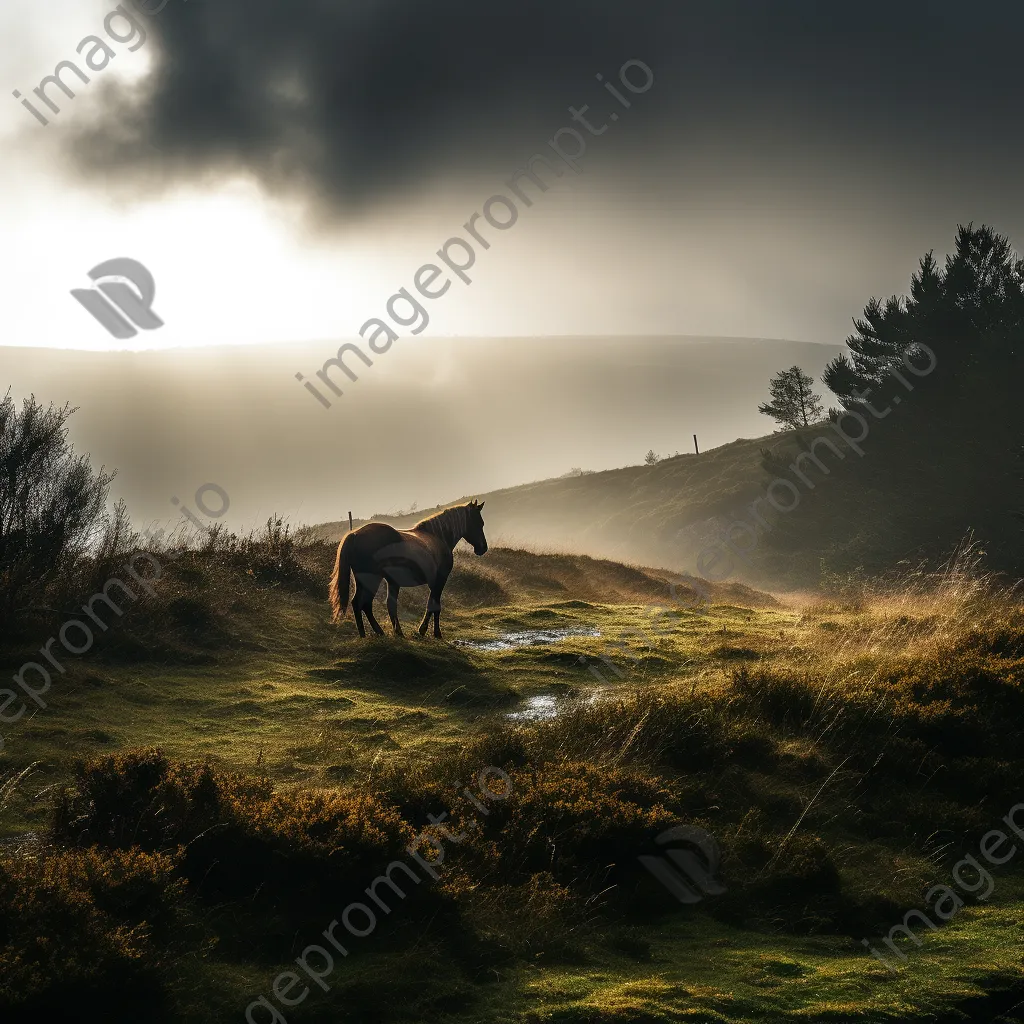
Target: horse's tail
[339, 586]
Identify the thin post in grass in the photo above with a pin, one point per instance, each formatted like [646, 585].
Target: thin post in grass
[350, 522]
[696, 450]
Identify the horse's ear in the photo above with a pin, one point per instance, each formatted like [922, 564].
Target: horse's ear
[481, 505]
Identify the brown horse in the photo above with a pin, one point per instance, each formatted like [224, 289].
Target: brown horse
[405, 558]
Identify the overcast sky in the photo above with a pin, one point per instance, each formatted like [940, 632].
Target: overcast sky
[791, 160]
[283, 168]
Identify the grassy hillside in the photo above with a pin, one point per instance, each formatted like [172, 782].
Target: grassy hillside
[845, 756]
[664, 514]
[236, 655]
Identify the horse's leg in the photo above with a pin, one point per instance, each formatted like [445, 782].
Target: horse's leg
[427, 613]
[357, 606]
[393, 590]
[426, 620]
[362, 604]
[371, 593]
[434, 605]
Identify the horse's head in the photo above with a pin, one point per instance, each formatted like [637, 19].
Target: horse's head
[475, 528]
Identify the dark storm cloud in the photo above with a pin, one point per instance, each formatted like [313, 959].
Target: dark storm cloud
[347, 102]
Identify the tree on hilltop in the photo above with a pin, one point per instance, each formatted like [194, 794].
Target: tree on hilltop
[929, 391]
[966, 317]
[794, 404]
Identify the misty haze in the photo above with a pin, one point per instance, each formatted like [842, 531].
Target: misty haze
[511, 516]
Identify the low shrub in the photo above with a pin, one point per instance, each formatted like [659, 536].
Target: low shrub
[236, 837]
[964, 704]
[85, 927]
[583, 823]
[783, 699]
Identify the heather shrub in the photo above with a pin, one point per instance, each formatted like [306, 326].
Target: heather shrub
[86, 926]
[965, 704]
[236, 836]
[577, 821]
[539, 917]
[139, 798]
[784, 700]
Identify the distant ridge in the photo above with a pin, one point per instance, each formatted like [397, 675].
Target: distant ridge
[439, 417]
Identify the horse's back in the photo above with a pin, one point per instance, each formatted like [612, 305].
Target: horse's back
[374, 535]
[410, 558]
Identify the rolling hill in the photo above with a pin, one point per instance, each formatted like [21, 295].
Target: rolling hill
[433, 418]
[665, 514]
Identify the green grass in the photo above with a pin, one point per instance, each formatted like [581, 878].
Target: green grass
[274, 686]
[843, 754]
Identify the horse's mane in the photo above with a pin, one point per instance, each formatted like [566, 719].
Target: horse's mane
[439, 520]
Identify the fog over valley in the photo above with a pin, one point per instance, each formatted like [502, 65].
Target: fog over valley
[432, 420]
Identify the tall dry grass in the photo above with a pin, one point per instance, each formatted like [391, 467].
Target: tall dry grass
[862, 628]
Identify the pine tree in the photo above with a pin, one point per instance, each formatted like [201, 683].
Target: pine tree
[931, 382]
[793, 404]
[970, 314]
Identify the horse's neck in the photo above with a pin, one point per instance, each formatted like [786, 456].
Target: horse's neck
[449, 526]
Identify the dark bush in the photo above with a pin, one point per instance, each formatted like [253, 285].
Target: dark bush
[783, 699]
[236, 836]
[86, 927]
[964, 704]
[577, 821]
[191, 612]
[52, 505]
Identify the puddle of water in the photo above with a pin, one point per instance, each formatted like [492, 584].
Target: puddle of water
[528, 638]
[545, 707]
[536, 709]
[542, 707]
